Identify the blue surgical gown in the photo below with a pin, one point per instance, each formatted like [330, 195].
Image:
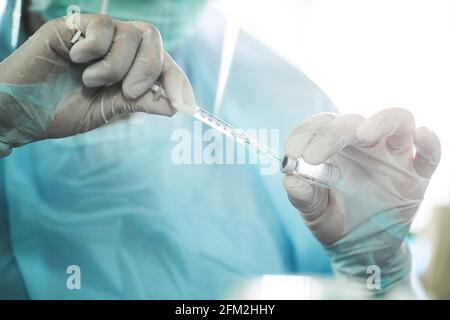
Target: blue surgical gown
[113, 202]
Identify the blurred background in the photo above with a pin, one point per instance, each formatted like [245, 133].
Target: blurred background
[368, 55]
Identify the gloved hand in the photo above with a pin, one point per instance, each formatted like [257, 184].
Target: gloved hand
[50, 88]
[385, 165]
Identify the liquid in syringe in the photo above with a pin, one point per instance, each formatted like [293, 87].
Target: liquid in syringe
[237, 134]
[325, 175]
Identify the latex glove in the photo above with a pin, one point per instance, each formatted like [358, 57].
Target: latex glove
[51, 89]
[385, 165]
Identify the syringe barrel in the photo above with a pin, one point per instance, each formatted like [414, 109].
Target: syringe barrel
[325, 174]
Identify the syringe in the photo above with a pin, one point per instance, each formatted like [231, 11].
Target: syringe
[325, 175]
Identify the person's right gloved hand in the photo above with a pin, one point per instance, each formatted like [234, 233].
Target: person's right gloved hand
[50, 88]
[385, 165]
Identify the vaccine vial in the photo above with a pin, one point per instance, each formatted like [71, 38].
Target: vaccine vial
[325, 174]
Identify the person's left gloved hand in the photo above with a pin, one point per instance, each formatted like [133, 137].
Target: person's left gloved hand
[52, 88]
[385, 165]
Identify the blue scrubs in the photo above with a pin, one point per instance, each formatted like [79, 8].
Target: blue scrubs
[139, 226]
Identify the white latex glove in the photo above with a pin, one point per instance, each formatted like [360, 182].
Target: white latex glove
[51, 89]
[385, 164]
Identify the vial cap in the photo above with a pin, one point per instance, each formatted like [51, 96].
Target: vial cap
[288, 165]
